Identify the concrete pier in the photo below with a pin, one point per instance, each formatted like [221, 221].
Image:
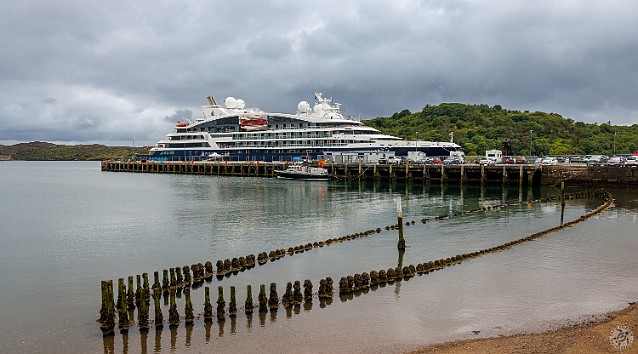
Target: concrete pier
[508, 174]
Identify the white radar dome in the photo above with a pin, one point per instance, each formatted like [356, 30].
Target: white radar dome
[303, 107]
[230, 102]
[240, 104]
[318, 109]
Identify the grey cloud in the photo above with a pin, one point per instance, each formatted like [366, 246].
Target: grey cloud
[133, 69]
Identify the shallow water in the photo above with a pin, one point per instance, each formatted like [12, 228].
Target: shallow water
[67, 225]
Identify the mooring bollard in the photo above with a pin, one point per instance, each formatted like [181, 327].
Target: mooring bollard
[173, 315]
[208, 307]
[273, 300]
[248, 306]
[221, 304]
[159, 317]
[189, 316]
[263, 300]
[107, 312]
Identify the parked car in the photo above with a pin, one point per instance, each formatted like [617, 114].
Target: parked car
[632, 160]
[453, 161]
[425, 161]
[520, 159]
[596, 159]
[395, 160]
[437, 160]
[508, 159]
[486, 162]
[616, 161]
[547, 160]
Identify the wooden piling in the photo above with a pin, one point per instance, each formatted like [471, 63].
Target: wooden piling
[159, 317]
[123, 320]
[263, 300]
[248, 306]
[286, 299]
[232, 305]
[145, 286]
[165, 281]
[107, 312]
[221, 304]
[142, 313]
[156, 281]
[208, 307]
[173, 315]
[307, 290]
[297, 297]
[138, 294]
[130, 296]
[173, 279]
[273, 300]
[401, 243]
[189, 316]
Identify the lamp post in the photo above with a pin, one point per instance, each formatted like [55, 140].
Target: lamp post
[614, 143]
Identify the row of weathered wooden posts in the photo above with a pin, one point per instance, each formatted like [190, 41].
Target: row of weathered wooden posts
[172, 286]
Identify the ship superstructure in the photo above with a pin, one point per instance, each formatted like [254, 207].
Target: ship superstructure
[237, 133]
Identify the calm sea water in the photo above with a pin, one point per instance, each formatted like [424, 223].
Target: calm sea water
[66, 225]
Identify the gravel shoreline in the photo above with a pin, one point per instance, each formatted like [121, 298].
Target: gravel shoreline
[588, 337]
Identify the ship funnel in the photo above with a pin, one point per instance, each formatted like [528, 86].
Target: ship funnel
[212, 101]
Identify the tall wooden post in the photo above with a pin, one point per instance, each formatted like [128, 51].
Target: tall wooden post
[401, 243]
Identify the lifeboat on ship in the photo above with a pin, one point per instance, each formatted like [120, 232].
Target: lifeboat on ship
[253, 123]
[181, 124]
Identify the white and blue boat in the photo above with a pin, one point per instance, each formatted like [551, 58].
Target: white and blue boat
[237, 133]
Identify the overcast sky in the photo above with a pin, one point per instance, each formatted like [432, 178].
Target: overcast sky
[115, 72]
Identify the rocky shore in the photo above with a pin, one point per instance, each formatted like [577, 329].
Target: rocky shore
[605, 334]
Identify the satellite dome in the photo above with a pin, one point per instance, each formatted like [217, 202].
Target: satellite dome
[318, 109]
[240, 104]
[230, 102]
[303, 107]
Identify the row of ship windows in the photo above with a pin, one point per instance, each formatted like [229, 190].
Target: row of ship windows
[287, 135]
[262, 144]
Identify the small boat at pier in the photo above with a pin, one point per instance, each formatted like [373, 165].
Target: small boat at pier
[304, 172]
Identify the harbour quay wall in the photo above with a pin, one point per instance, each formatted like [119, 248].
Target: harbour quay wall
[594, 175]
[468, 173]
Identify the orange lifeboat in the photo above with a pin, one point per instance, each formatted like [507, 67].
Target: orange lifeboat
[181, 124]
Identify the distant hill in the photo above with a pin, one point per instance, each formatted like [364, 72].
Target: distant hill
[43, 151]
[479, 127]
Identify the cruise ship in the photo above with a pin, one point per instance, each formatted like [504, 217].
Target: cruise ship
[237, 133]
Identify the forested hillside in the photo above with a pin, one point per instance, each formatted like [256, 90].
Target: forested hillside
[43, 151]
[479, 127]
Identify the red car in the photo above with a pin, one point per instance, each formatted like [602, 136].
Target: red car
[521, 159]
[507, 159]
